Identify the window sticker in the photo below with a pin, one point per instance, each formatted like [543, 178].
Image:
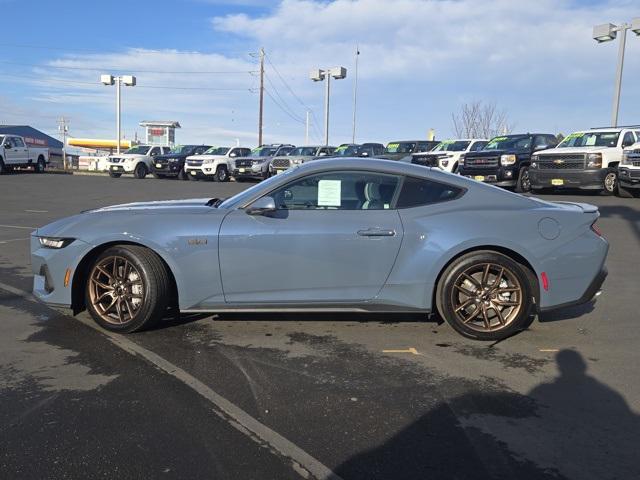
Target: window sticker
[393, 147]
[574, 135]
[329, 193]
[341, 148]
[591, 141]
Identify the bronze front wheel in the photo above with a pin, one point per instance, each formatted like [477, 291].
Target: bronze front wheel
[485, 295]
[116, 290]
[128, 288]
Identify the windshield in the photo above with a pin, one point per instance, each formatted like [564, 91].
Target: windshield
[242, 197]
[285, 151]
[400, 147]
[263, 151]
[452, 146]
[139, 150]
[217, 151]
[346, 150]
[512, 142]
[590, 139]
[303, 152]
[178, 149]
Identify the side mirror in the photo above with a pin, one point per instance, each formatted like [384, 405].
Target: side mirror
[322, 154]
[364, 154]
[261, 206]
[232, 155]
[7, 146]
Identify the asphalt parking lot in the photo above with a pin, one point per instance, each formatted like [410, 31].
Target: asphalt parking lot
[239, 396]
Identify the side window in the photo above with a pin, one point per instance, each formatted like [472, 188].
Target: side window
[154, 151]
[478, 146]
[539, 141]
[339, 191]
[628, 140]
[200, 150]
[523, 143]
[419, 191]
[17, 142]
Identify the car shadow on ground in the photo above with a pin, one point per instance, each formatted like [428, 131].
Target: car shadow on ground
[632, 216]
[572, 427]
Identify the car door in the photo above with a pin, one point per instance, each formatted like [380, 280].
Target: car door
[332, 239]
[11, 154]
[20, 150]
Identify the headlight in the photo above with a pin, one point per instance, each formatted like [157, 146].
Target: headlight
[625, 158]
[507, 160]
[594, 160]
[54, 242]
[461, 159]
[208, 160]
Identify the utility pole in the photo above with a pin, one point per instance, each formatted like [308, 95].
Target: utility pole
[355, 97]
[306, 130]
[261, 108]
[63, 129]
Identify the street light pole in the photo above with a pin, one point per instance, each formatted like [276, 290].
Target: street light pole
[118, 80]
[318, 75]
[606, 33]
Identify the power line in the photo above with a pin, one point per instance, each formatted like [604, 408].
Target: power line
[282, 100]
[282, 108]
[96, 84]
[117, 69]
[145, 51]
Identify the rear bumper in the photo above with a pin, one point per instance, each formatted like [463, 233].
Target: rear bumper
[584, 179]
[592, 292]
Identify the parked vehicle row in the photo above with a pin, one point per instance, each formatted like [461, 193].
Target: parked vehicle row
[596, 160]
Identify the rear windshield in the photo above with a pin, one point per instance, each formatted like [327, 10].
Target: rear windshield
[590, 139]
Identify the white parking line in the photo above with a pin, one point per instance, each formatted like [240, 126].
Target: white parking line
[37, 211]
[18, 226]
[13, 240]
[301, 462]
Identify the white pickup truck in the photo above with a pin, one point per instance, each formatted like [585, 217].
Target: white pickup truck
[587, 160]
[15, 153]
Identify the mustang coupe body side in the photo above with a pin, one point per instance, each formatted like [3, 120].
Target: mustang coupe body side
[377, 255]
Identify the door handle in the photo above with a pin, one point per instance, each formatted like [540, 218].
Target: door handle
[376, 232]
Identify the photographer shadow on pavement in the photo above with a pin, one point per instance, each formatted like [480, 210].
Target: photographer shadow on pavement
[573, 427]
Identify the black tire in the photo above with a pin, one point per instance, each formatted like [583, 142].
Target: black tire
[159, 176]
[140, 171]
[157, 289]
[182, 175]
[222, 174]
[625, 192]
[517, 318]
[3, 169]
[40, 165]
[114, 174]
[523, 184]
[610, 183]
[454, 170]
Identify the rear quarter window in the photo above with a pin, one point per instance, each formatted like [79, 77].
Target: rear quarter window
[417, 192]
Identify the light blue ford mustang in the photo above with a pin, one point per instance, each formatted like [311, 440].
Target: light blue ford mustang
[344, 234]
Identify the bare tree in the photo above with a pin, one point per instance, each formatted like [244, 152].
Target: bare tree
[478, 120]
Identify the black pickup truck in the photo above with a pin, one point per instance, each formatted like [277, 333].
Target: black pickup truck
[172, 163]
[505, 160]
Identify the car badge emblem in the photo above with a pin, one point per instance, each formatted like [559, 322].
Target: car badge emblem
[558, 162]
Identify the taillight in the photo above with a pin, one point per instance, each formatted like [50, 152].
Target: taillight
[596, 230]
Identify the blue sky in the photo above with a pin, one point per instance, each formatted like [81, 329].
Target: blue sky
[420, 60]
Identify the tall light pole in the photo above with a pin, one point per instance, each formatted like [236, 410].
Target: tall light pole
[605, 33]
[355, 98]
[128, 80]
[319, 75]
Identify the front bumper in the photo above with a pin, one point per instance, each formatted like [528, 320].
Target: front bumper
[120, 168]
[194, 172]
[629, 177]
[582, 179]
[169, 169]
[500, 176]
[254, 171]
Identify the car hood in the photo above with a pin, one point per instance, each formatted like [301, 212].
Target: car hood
[494, 153]
[169, 156]
[207, 157]
[570, 150]
[66, 226]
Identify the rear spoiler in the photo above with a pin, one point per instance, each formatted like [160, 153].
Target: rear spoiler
[585, 207]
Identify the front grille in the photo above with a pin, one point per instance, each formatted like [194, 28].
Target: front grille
[281, 163]
[243, 163]
[115, 160]
[194, 163]
[563, 161]
[482, 162]
[634, 173]
[636, 163]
